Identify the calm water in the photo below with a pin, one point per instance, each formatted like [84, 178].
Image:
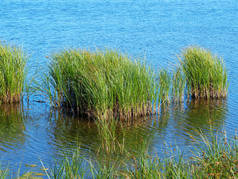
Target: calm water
[157, 29]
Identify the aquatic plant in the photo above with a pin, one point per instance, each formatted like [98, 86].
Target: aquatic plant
[164, 86]
[67, 168]
[215, 158]
[12, 75]
[4, 173]
[100, 84]
[178, 85]
[205, 73]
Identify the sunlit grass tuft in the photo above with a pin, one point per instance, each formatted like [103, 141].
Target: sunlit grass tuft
[12, 75]
[164, 86]
[100, 84]
[205, 73]
[178, 85]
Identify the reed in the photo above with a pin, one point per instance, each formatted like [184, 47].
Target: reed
[12, 75]
[178, 85]
[4, 173]
[205, 73]
[100, 84]
[164, 86]
[67, 168]
[215, 158]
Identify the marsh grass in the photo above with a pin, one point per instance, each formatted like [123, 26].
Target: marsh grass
[12, 75]
[107, 84]
[4, 173]
[100, 84]
[206, 75]
[178, 85]
[68, 168]
[164, 86]
[216, 157]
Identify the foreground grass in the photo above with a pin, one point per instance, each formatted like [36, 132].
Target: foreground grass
[215, 157]
[12, 75]
[100, 84]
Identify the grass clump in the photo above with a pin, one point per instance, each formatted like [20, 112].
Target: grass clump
[178, 85]
[164, 86]
[100, 84]
[217, 157]
[12, 76]
[205, 73]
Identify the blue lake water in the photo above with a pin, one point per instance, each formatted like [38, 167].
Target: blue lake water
[153, 29]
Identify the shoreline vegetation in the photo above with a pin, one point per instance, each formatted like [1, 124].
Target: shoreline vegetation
[100, 84]
[107, 84]
[214, 157]
[12, 73]
[205, 73]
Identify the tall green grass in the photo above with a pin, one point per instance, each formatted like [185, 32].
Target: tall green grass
[100, 84]
[216, 157]
[12, 75]
[107, 84]
[178, 85]
[164, 86]
[205, 73]
[4, 173]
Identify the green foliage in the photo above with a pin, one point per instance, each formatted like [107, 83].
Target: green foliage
[100, 84]
[68, 168]
[178, 86]
[12, 76]
[216, 158]
[106, 84]
[4, 173]
[164, 86]
[205, 73]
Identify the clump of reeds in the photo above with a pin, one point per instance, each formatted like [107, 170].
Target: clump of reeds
[206, 75]
[178, 86]
[12, 76]
[164, 86]
[100, 84]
